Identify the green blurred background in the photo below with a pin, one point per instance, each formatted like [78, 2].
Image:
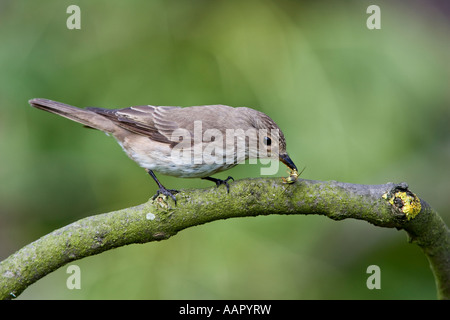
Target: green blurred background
[356, 105]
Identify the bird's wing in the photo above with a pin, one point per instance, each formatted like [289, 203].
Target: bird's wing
[152, 121]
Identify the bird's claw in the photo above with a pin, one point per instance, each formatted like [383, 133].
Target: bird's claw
[166, 192]
[218, 182]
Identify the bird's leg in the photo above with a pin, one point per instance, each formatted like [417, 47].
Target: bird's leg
[220, 181]
[162, 190]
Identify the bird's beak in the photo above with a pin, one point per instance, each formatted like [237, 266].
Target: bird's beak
[287, 161]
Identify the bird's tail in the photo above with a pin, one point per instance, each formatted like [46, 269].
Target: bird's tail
[86, 117]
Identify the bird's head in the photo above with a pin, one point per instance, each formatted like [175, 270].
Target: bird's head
[270, 138]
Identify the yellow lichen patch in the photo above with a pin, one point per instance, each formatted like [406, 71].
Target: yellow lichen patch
[407, 202]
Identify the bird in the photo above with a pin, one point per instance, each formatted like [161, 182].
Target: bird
[185, 142]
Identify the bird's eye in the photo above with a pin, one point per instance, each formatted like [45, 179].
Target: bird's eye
[267, 141]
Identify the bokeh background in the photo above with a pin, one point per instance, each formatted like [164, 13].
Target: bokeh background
[356, 105]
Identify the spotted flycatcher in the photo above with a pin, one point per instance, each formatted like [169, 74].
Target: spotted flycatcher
[191, 142]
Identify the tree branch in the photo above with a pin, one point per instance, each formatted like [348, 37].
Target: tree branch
[388, 205]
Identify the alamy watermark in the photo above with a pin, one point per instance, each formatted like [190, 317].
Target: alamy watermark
[215, 147]
[74, 280]
[374, 20]
[74, 20]
[374, 280]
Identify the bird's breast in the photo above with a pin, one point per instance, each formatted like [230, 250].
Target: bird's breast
[190, 162]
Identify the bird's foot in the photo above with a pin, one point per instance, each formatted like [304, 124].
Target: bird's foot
[220, 181]
[166, 192]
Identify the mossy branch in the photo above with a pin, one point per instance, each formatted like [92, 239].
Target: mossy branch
[388, 205]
